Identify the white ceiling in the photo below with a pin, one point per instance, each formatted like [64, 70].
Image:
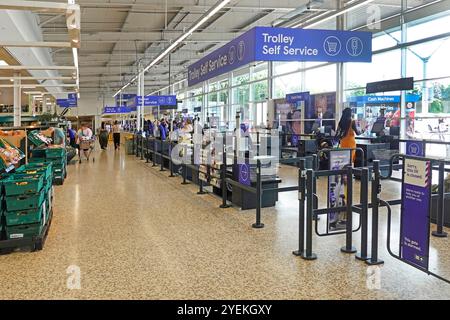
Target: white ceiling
[117, 33]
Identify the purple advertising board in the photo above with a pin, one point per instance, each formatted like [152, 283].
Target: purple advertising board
[415, 148]
[244, 174]
[415, 212]
[337, 189]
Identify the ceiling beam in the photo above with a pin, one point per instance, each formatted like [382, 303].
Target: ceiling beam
[39, 44]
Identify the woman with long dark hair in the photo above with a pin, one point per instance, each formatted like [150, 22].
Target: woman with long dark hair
[346, 132]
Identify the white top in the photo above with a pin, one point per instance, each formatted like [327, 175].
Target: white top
[116, 128]
[85, 134]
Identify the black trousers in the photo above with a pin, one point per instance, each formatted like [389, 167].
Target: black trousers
[116, 138]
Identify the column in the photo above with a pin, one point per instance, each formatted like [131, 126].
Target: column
[17, 100]
[340, 25]
[138, 107]
[142, 85]
[403, 75]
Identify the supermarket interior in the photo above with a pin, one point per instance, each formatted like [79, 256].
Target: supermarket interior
[224, 150]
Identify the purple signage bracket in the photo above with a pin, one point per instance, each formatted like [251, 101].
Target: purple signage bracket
[415, 213]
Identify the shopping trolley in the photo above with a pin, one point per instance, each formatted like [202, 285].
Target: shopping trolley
[87, 146]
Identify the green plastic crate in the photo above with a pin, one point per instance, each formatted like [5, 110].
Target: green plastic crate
[55, 153]
[58, 170]
[20, 184]
[32, 168]
[24, 202]
[38, 153]
[24, 231]
[34, 139]
[15, 218]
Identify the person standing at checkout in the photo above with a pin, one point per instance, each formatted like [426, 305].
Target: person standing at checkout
[347, 131]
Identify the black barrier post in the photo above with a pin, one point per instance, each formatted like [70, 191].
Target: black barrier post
[364, 214]
[301, 208]
[440, 233]
[137, 144]
[308, 254]
[161, 156]
[154, 152]
[142, 148]
[258, 224]
[147, 155]
[170, 160]
[349, 223]
[223, 174]
[257, 143]
[376, 189]
[184, 166]
[200, 183]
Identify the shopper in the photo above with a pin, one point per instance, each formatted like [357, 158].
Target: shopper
[72, 135]
[84, 134]
[103, 137]
[347, 131]
[163, 129]
[116, 135]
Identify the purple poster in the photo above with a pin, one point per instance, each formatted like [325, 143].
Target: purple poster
[244, 174]
[415, 148]
[337, 189]
[415, 220]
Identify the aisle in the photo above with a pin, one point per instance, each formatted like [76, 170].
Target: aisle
[137, 234]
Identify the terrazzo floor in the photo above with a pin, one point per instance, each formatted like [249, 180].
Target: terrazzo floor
[135, 233]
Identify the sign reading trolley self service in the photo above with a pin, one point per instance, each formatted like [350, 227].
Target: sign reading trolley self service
[284, 44]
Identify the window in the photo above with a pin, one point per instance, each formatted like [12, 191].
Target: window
[428, 27]
[287, 84]
[321, 79]
[259, 91]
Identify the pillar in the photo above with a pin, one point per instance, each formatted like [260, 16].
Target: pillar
[17, 100]
[340, 25]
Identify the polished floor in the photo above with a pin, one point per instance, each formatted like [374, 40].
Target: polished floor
[135, 233]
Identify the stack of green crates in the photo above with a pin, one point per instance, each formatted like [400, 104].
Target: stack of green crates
[27, 196]
[57, 156]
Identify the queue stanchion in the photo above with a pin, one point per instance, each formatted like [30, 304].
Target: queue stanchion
[147, 155]
[308, 254]
[348, 248]
[184, 166]
[142, 148]
[376, 189]
[364, 196]
[258, 224]
[223, 176]
[137, 144]
[200, 183]
[301, 208]
[161, 156]
[440, 233]
[170, 160]
[154, 152]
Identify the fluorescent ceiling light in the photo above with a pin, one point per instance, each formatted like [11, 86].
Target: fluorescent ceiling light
[3, 63]
[333, 15]
[33, 92]
[216, 8]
